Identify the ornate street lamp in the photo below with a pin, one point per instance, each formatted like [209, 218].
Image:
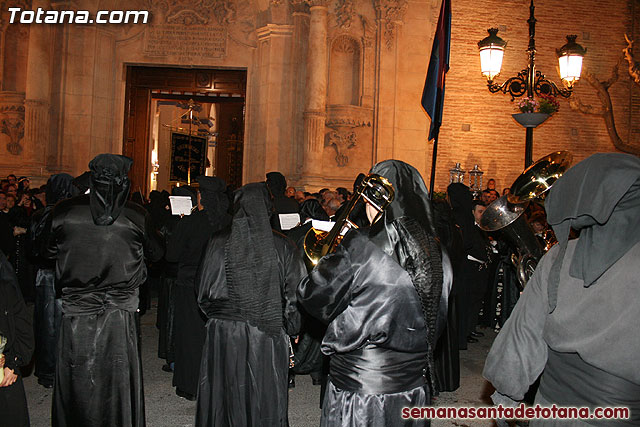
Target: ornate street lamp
[530, 81]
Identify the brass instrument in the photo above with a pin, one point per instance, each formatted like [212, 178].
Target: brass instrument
[375, 190]
[506, 213]
[534, 182]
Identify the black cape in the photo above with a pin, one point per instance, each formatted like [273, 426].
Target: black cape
[187, 243]
[17, 328]
[98, 271]
[369, 302]
[381, 297]
[243, 376]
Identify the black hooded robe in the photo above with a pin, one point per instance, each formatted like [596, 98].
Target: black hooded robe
[16, 327]
[378, 337]
[471, 277]
[100, 242]
[245, 362]
[576, 323]
[187, 244]
[48, 308]
[185, 247]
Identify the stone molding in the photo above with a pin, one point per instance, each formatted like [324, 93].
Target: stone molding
[317, 3]
[349, 116]
[271, 30]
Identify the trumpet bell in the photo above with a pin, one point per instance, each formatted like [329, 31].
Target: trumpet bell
[316, 244]
[536, 180]
[375, 190]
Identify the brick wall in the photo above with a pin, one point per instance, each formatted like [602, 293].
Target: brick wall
[494, 140]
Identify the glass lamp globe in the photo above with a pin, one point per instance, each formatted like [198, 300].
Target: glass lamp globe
[491, 52]
[570, 61]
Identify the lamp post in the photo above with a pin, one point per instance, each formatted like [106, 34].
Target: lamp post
[530, 81]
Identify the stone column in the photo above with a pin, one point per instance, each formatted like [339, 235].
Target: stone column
[37, 98]
[315, 94]
[274, 41]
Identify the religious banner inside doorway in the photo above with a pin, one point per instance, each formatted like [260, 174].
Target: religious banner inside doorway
[187, 150]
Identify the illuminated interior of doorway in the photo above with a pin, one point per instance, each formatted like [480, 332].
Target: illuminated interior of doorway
[167, 118]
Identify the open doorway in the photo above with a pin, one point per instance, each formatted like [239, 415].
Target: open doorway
[180, 123]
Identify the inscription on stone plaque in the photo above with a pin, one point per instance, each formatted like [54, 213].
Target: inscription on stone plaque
[179, 40]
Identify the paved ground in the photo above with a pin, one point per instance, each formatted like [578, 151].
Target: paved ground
[165, 409]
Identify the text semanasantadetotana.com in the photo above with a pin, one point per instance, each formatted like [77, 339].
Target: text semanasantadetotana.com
[42, 16]
[520, 412]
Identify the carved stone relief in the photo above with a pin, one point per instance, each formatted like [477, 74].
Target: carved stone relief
[345, 13]
[390, 12]
[345, 120]
[342, 140]
[12, 120]
[189, 12]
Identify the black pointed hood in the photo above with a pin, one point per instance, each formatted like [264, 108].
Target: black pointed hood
[109, 187]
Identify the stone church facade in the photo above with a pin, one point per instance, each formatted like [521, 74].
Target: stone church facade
[323, 89]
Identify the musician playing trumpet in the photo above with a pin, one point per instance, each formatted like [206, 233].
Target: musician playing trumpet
[383, 296]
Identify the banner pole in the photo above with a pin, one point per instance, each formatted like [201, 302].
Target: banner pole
[433, 166]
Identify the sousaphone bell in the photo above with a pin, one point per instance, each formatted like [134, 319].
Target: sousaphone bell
[506, 212]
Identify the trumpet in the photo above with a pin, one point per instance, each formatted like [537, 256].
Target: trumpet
[375, 190]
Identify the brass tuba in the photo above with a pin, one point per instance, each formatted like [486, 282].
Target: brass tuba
[374, 189]
[506, 213]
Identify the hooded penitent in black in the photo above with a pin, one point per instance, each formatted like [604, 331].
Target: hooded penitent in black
[246, 288]
[472, 275]
[185, 247]
[47, 312]
[99, 242]
[577, 320]
[16, 327]
[277, 184]
[379, 293]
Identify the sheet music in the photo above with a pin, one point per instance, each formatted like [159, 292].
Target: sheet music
[288, 221]
[180, 205]
[327, 226]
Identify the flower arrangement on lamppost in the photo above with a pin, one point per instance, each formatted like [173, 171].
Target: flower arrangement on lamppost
[529, 81]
